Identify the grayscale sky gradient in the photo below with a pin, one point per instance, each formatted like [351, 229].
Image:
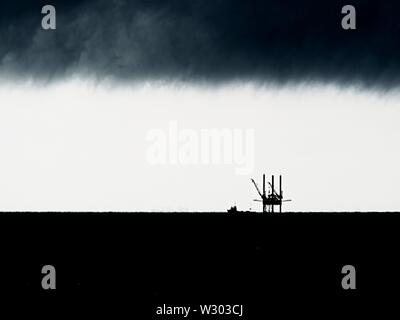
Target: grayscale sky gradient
[77, 103]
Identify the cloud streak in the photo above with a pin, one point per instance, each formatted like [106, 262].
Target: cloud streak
[212, 42]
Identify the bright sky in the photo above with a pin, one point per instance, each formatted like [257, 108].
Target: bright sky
[82, 146]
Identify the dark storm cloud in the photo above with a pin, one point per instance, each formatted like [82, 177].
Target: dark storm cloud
[219, 40]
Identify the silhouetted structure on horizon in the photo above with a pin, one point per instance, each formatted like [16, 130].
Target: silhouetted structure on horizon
[233, 210]
[273, 198]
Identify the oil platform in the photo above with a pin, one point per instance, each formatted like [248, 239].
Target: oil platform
[273, 198]
[270, 200]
